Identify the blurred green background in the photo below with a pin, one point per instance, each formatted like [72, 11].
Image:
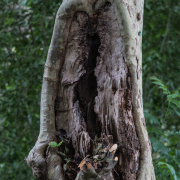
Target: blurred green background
[25, 32]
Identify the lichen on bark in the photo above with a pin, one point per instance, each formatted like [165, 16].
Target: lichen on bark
[92, 93]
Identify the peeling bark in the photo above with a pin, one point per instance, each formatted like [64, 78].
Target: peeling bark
[92, 95]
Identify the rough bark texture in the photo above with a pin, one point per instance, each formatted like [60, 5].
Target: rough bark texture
[92, 95]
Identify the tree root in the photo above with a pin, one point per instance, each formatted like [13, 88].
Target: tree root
[45, 167]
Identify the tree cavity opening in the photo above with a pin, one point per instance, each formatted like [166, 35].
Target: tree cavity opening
[86, 89]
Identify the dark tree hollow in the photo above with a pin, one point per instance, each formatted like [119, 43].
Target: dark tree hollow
[86, 88]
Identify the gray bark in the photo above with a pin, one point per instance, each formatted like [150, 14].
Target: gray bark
[92, 95]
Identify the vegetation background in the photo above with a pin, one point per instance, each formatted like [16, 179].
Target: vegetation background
[25, 32]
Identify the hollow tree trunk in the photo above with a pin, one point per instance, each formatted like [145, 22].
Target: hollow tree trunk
[92, 95]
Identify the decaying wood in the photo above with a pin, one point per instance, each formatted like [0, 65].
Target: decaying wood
[92, 95]
[89, 166]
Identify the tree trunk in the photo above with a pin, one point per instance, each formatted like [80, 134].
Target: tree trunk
[92, 95]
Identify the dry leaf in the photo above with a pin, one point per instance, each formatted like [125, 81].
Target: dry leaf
[89, 165]
[82, 163]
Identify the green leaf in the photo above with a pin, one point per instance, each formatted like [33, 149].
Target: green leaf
[60, 143]
[173, 172]
[177, 103]
[171, 168]
[155, 78]
[162, 147]
[177, 161]
[177, 112]
[158, 83]
[172, 96]
[53, 144]
[23, 2]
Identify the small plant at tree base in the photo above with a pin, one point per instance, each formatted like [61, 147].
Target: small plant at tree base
[54, 144]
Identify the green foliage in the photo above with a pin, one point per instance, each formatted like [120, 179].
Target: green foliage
[170, 169]
[161, 104]
[165, 141]
[54, 144]
[160, 50]
[25, 32]
[173, 99]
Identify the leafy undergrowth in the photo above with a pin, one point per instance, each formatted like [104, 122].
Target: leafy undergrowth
[164, 134]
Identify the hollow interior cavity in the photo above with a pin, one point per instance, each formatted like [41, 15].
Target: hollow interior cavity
[86, 88]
